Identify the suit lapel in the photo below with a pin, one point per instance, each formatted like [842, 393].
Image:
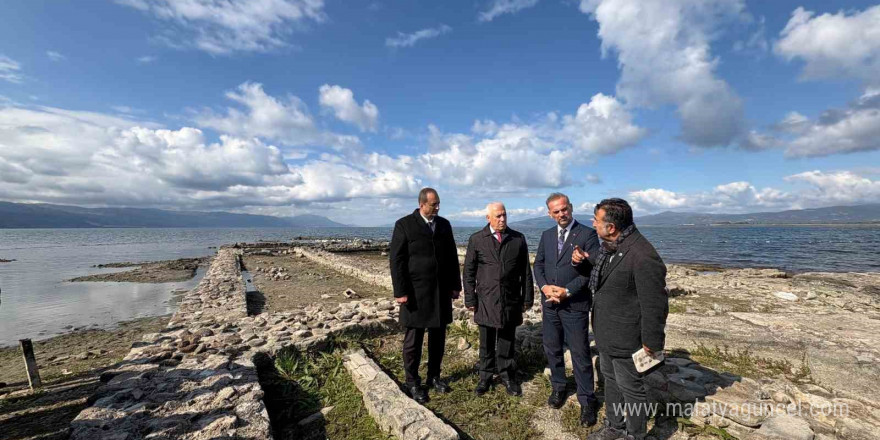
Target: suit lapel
[493, 243]
[619, 256]
[609, 268]
[423, 226]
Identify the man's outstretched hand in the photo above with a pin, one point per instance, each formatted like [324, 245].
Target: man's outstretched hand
[578, 256]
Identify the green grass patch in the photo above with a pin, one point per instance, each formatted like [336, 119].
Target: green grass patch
[744, 363]
[493, 416]
[677, 307]
[299, 384]
[685, 425]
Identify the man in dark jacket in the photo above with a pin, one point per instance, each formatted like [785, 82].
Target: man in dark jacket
[426, 278]
[498, 289]
[565, 304]
[630, 306]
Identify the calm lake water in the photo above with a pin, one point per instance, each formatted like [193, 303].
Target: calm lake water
[38, 302]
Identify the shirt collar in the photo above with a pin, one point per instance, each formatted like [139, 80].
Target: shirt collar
[566, 229]
[425, 218]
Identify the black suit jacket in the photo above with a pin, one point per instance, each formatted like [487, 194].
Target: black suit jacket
[557, 270]
[424, 268]
[630, 306]
[497, 278]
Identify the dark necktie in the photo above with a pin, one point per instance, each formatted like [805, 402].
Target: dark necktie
[431, 225]
[561, 242]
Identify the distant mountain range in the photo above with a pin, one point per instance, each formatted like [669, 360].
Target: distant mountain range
[41, 215]
[834, 214]
[24, 215]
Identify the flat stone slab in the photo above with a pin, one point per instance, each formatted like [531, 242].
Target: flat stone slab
[783, 427]
[393, 410]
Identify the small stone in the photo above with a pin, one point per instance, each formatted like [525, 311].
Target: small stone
[226, 393]
[788, 296]
[351, 294]
[463, 344]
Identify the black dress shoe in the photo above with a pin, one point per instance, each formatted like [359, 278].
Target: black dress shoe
[439, 385]
[588, 415]
[483, 387]
[608, 433]
[513, 388]
[556, 399]
[418, 394]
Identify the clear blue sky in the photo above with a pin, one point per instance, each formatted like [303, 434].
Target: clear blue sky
[346, 109]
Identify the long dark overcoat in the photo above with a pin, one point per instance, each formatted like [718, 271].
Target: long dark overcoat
[424, 268]
[498, 278]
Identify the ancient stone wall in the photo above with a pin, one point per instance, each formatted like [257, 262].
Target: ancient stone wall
[196, 379]
[190, 381]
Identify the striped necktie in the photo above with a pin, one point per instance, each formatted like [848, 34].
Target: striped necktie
[561, 242]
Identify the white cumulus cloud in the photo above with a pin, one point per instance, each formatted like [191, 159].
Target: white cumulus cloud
[663, 49]
[286, 121]
[813, 189]
[61, 156]
[512, 156]
[848, 130]
[345, 108]
[833, 45]
[837, 188]
[409, 40]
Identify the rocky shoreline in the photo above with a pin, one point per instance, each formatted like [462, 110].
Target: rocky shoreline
[759, 339]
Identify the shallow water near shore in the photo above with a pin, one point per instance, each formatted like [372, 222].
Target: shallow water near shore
[38, 302]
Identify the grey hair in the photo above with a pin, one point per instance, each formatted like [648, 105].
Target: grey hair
[556, 195]
[491, 204]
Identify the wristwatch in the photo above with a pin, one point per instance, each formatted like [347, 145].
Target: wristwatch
[567, 293]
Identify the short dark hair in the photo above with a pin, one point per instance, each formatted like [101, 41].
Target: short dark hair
[617, 212]
[554, 196]
[423, 194]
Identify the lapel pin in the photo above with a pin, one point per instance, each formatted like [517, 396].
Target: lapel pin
[620, 254]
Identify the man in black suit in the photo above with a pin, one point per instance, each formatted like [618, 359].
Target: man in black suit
[426, 278]
[498, 288]
[565, 303]
[630, 306]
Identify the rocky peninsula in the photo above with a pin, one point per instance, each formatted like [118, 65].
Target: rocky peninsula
[149, 272]
[298, 340]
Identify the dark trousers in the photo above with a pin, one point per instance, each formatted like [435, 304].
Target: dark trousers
[412, 352]
[571, 326]
[624, 393]
[496, 352]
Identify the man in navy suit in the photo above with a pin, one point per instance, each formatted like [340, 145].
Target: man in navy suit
[566, 301]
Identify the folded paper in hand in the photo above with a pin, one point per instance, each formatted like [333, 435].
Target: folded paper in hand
[645, 361]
